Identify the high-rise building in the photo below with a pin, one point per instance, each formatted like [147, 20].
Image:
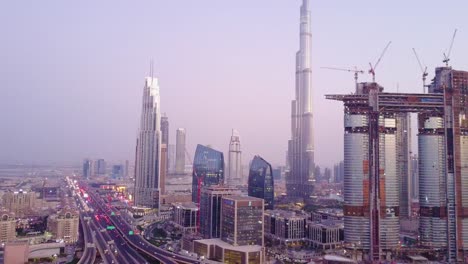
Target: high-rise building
[101, 167]
[210, 209]
[127, 169]
[163, 172]
[208, 169]
[171, 156]
[148, 148]
[164, 129]
[234, 176]
[261, 182]
[403, 145]
[242, 220]
[300, 181]
[7, 226]
[338, 172]
[88, 168]
[65, 225]
[180, 151]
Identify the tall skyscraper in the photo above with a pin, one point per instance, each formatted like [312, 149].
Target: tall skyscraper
[127, 169]
[414, 177]
[261, 183]
[234, 160]
[101, 167]
[242, 220]
[180, 151]
[171, 154]
[118, 171]
[210, 209]
[88, 167]
[208, 169]
[300, 181]
[148, 149]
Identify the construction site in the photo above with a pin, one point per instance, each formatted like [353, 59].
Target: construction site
[376, 136]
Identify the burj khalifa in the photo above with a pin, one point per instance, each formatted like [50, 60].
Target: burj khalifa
[300, 180]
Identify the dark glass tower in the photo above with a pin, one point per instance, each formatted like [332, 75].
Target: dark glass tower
[261, 184]
[208, 169]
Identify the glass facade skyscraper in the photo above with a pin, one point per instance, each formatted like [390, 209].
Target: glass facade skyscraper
[261, 183]
[208, 169]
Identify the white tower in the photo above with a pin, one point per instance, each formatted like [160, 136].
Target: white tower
[148, 149]
[301, 179]
[234, 176]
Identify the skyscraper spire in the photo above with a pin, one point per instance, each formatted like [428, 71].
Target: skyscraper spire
[300, 180]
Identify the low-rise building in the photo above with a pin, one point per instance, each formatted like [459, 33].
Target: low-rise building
[287, 227]
[16, 252]
[216, 249]
[186, 216]
[326, 234]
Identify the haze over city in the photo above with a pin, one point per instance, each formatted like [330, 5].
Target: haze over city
[71, 74]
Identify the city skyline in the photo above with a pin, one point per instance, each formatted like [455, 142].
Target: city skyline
[94, 72]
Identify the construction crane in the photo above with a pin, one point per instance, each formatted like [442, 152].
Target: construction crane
[423, 70]
[374, 67]
[355, 70]
[447, 56]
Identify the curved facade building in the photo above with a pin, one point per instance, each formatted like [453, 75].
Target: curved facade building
[432, 182]
[261, 184]
[208, 169]
[357, 233]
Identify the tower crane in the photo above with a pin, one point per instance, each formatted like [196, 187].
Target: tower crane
[447, 56]
[423, 70]
[374, 67]
[355, 70]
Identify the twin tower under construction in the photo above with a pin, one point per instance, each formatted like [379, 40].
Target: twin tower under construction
[376, 126]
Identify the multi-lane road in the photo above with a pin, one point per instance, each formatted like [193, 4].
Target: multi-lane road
[123, 246]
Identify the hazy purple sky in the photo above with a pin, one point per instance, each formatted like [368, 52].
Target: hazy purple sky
[71, 73]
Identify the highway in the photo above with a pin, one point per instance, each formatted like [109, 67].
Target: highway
[89, 254]
[137, 241]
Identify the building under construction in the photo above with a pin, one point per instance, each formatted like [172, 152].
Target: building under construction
[373, 166]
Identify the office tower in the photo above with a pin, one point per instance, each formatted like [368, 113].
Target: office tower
[127, 169]
[180, 151]
[403, 145]
[414, 177]
[64, 225]
[300, 181]
[208, 169]
[171, 154]
[234, 176]
[100, 167]
[20, 203]
[118, 172]
[148, 148]
[261, 182]
[327, 175]
[88, 167]
[163, 172]
[210, 209]
[7, 226]
[242, 220]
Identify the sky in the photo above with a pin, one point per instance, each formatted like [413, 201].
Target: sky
[72, 72]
